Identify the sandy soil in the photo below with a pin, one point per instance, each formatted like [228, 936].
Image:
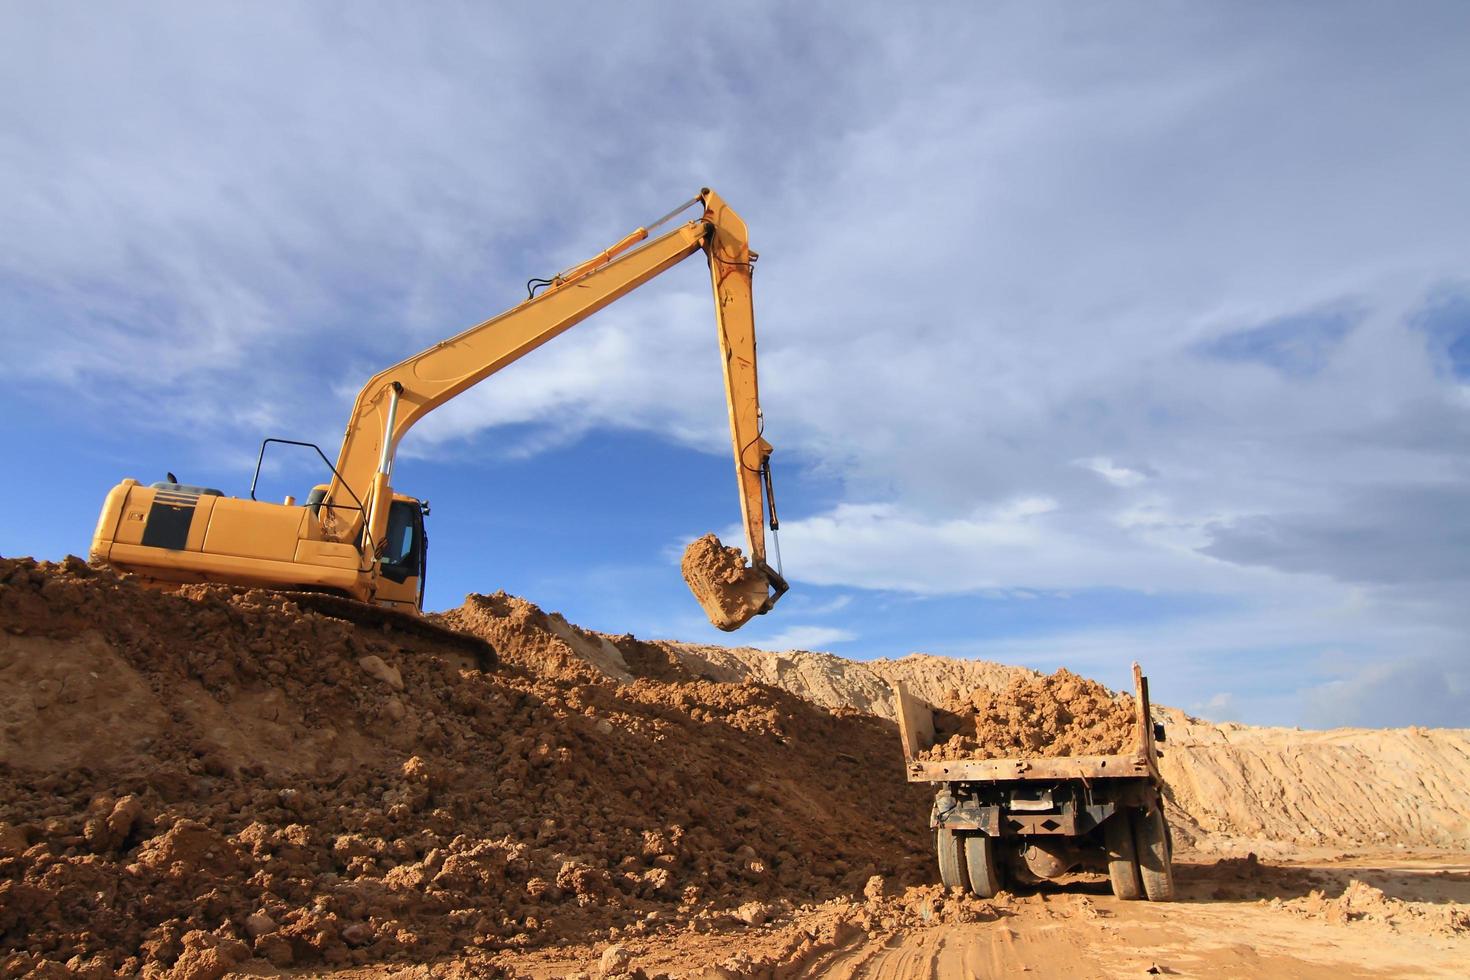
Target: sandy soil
[217, 780]
[1060, 715]
[1352, 917]
[1231, 787]
[220, 776]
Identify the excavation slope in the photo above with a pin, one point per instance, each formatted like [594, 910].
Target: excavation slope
[216, 774]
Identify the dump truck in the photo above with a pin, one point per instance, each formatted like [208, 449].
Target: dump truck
[1027, 820]
[360, 545]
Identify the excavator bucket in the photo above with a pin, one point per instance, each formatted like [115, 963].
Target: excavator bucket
[730, 591]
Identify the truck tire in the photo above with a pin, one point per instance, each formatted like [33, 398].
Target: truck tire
[981, 863]
[1155, 860]
[951, 860]
[1122, 855]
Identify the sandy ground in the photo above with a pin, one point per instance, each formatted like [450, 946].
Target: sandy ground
[217, 781]
[1234, 919]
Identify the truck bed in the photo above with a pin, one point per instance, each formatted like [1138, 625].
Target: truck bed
[916, 728]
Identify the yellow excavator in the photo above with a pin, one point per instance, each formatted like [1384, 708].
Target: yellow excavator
[359, 545]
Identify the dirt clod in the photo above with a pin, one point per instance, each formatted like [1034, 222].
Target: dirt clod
[615, 961]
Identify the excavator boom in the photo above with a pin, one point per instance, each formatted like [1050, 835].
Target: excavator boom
[357, 537]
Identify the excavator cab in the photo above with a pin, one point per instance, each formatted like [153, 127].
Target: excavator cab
[403, 564]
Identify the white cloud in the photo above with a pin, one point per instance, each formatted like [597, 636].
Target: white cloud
[1007, 547]
[830, 607]
[649, 364]
[1216, 707]
[804, 638]
[996, 249]
[1118, 476]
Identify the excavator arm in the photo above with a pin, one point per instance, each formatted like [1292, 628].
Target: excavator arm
[356, 505]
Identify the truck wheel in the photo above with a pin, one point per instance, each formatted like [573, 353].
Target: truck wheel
[1122, 856]
[981, 863]
[947, 848]
[1155, 862]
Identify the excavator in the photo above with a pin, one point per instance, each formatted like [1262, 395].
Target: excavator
[357, 548]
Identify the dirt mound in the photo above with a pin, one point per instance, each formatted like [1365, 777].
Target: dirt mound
[1240, 786]
[188, 778]
[1361, 902]
[819, 678]
[536, 641]
[940, 679]
[1050, 716]
[1232, 787]
[834, 682]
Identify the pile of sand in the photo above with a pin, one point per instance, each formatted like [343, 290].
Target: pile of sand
[198, 777]
[1362, 902]
[835, 682]
[1231, 787]
[1241, 785]
[1046, 716]
[190, 780]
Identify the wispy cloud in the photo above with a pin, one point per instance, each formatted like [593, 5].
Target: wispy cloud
[1117, 300]
[804, 638]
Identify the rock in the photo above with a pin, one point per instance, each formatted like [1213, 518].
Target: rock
[186, 848]
[394, 709]
[95, 968]
[874, 890]
[207, 956]
[45, 692]
[377, 667]
[604, 727]
[110, 822]
[13, 840]
[753, 913]
[292, 799]
[358, 934]
[275, 948]
[615, 961]
[40, 968]
[257, 924]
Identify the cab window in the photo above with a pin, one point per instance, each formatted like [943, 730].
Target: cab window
[403, 543]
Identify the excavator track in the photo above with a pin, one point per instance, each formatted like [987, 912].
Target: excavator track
[396, 621]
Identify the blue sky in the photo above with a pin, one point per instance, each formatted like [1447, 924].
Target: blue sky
[1087, 334]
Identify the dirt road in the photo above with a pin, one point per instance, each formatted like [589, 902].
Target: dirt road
[1236, 918]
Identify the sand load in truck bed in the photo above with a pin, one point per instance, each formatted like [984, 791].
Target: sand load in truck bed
[730, 591]
[1046, 716]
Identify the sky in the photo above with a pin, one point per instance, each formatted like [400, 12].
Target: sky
[1088, 333]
